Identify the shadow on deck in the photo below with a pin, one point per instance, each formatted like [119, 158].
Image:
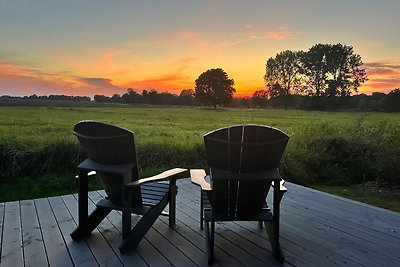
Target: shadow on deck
[317, 229]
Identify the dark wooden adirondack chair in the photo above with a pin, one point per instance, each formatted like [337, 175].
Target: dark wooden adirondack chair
[243, 164]
[111, 153]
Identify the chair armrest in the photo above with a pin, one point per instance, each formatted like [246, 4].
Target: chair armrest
[166, 175]
[198, 176]
[282, 188]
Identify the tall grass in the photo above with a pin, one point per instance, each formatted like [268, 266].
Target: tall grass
[346, 154]
[37, 145]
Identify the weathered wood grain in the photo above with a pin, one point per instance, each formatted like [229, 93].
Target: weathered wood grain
[317, 229]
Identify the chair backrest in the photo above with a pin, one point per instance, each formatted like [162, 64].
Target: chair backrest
[108, 144]
[238, 157]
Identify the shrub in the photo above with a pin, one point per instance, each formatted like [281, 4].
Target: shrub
[329, 154]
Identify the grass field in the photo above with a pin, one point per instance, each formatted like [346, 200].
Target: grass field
[37, 143]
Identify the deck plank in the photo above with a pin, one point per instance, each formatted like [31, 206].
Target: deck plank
[317, 229]
[343, 230]
[32, 241]
[79, 251]
[165, 246]
[2, 208]
[100, 248]
[223, 240]
[56, 249]
[11, 251]
[371, 217]
[113, 236]
[150, 254]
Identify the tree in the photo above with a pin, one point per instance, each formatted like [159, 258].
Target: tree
[116, 98]
[131, 96]
[186, 97]
[284, 73]
[101, 98]
[213, 86]
[392, 100]
[260, 98]
[345, 74]
[245, 101]
[332, 70]
[315, 69]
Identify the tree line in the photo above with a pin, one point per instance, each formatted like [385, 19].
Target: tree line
[47, 98]
[186, 97]
[376, 101]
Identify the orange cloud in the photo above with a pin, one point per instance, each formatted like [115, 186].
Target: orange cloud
[17, 80]
[383, 77]
[173, 83]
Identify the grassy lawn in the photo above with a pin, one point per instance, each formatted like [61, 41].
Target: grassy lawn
[39, 152]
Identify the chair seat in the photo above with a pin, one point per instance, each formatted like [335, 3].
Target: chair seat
[264, 215]
[151, 195]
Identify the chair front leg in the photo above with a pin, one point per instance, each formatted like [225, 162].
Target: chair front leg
[201, 210]
[172, 201]
[83, 197]
[126, 213]
[210, 229]
[273, 227]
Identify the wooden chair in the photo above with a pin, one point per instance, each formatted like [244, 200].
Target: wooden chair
[243, 163]
[111, 153]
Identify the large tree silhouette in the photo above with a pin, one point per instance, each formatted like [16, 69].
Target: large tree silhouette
[283, 74]
[213, 86]
[333, 70]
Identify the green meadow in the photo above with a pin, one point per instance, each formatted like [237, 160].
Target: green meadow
[336, 149]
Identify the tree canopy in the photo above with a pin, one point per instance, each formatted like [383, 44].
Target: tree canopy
[324, 70]
[213, 86]
[333, 70]
[283, 73]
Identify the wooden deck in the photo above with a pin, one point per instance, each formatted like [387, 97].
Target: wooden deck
[317, 229]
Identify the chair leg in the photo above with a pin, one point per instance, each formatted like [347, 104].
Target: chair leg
[273, 237]
[143, 226]
[273, 227]
[172, 201]
[210, 232]
[201, 210]
[92, 221]
[260, 224]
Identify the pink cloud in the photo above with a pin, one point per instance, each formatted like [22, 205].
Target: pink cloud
[17, 80]
[275, 35]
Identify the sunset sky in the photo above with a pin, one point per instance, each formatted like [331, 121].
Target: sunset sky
[90, 47]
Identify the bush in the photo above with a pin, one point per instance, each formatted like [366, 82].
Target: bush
[353, 154]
